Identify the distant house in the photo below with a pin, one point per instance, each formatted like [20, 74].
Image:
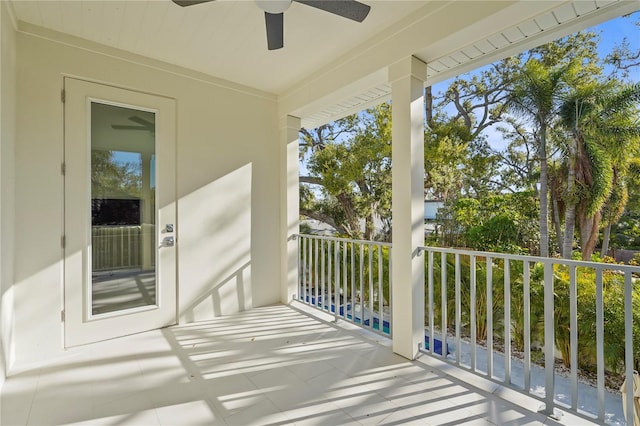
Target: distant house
[431, 209]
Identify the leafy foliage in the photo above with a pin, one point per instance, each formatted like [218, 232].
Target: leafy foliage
[355, 174]
[503, 223]
[113, 178]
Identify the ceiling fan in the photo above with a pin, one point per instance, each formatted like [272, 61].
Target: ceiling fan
[274, 13]
[142, 125]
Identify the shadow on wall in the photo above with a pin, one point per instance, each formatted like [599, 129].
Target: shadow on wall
[235, 286]
[214, 243]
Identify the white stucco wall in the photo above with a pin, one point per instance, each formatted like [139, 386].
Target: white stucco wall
[227, 189]
[7, 143]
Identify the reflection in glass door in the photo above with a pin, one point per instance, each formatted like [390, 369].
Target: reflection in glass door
[123, 206]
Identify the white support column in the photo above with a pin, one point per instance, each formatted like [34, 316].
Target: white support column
[407, 79]
[289, 207]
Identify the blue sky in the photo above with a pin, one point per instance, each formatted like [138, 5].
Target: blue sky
[614, 31]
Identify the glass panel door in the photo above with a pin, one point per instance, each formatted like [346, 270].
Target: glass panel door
[123, 243]
[120, 212]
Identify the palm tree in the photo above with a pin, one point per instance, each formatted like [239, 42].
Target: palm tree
[536, 96]
[604, 125]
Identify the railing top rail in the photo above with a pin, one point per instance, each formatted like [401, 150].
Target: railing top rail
[347, 240]
[115, 226]
[536, 259]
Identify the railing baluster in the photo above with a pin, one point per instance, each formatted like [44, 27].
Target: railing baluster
[304, 294]
[107, 248]
[299, 267]
[316, 287]
[310, 270]
[458, 307]
[600, 343]
[549, 340]
[361, 285]
[380, 292]
[628, 344]
[573, 313]
[489, 323]
[122, 258]
[507, 321]
[390, 293]
[430, 303]
[323, 278]
[527, 325]
[112, 245]
[336, 283]
[137, 238]
[345, 282]
[472, 325]
[129, 257]
[443, 301]
[330, 283]
[370, 304]
[353, 282]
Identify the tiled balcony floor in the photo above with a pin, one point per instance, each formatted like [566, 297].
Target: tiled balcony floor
[272, 366]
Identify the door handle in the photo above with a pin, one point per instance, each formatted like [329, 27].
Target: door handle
[168, 242]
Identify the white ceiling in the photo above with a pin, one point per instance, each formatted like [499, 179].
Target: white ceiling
[223, 38]
[330, 66]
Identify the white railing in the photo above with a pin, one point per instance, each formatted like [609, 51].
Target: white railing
[349, 278]
[495, 313]
[492, 314]
[121, 246]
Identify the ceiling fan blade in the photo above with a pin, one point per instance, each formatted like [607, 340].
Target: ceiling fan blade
[184, 3]
[142, 121]
[350, 9]
[126, 127]
[275, 30]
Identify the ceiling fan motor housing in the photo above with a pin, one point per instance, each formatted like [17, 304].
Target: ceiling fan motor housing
[274, 6]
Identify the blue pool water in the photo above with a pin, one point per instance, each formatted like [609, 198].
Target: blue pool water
[437, 344]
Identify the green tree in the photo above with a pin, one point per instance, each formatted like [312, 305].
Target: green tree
[519, 171]
[446, 148]
[536, 97]
[549, 72]
[458, 159]
[603, 121]
[354, 175]
[113, 178]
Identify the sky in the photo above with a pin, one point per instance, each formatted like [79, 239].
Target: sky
[614, 31]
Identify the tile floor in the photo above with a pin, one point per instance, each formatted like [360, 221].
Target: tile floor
[273, 366]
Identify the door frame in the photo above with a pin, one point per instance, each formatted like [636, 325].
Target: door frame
[80, 325]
